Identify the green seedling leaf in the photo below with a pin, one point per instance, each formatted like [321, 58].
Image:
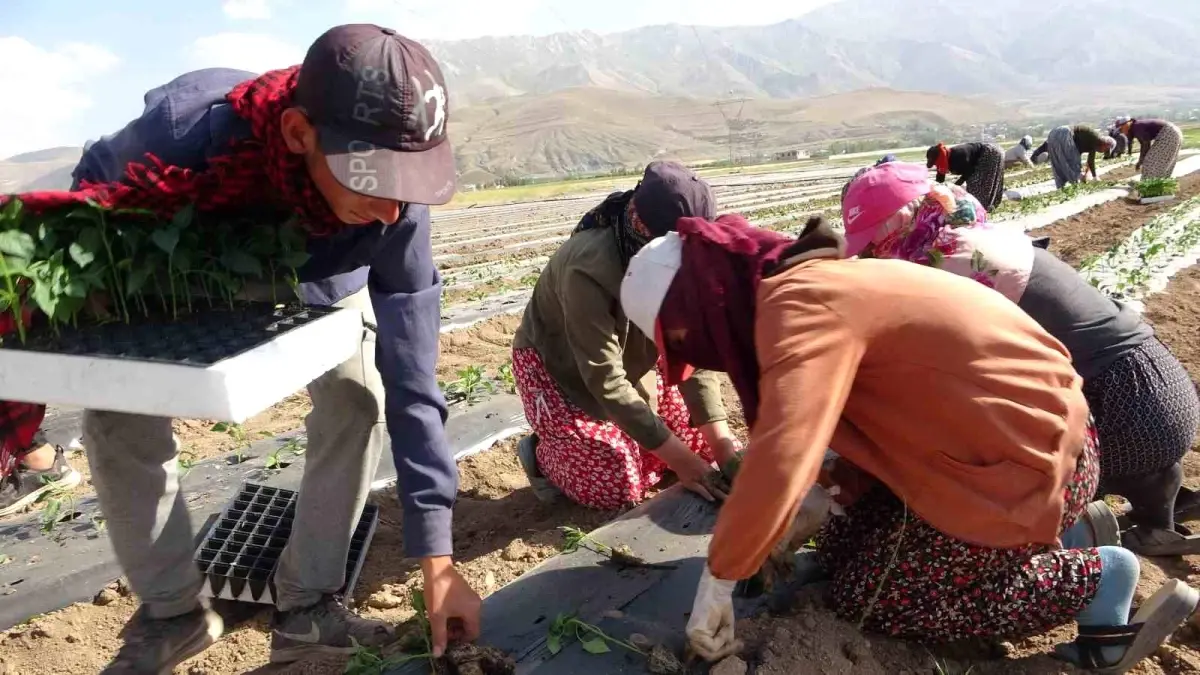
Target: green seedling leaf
[12, 210]
[166, 240]
[294, 259]
[83, 250]
[183, 218]
[17, 244]
[554, 643]
[45, 298]
[595, 645]
[220, 427]
[240, 262]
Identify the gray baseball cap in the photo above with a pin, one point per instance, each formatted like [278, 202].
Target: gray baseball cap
[378, 101]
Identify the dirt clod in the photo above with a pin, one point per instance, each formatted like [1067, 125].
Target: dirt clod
[42, 631]
[106, 596]
[385, 599]
[640, 641]
[517, 551]
[732, 665]
[662, 661]
[469, 659]
[857, 650]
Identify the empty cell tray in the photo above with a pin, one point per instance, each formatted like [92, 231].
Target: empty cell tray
[218, 364]
[241, 550]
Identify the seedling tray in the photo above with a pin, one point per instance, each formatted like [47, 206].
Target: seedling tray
[1156, 200]
[222, 364]
[240, 552]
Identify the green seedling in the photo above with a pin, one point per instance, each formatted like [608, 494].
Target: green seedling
[280, 458]
[568, 627]
[507, 378]
[471, 386]
[1156, 187]
[236, 431]
[370, 661]
[275, 461]
[5, 558]
[575, 539]
[55, 261]
[186, 460]
[59, 507]
[295, 446]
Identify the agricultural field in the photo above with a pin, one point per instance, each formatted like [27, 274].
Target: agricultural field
[490, 254]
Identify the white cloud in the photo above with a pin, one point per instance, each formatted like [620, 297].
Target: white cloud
[246, 9]
[43, 91]
[257, 52]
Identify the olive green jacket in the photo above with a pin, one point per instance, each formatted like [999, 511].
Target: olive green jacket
[601, 361]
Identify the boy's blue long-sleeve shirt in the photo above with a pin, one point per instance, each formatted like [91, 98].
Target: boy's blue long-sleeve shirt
[185, 123]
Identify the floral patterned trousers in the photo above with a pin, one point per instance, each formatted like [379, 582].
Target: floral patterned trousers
[593, 462]
[912, 581]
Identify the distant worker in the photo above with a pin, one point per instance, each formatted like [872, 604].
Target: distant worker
[1066, 146]
[606, 427]
[1121, 143]
[1160, 142]
[979, 165]
[1018, 154]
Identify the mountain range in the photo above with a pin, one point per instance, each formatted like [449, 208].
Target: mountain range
[908, 70]
[1004, 49]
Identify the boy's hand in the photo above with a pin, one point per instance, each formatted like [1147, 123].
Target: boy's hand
[452, 605]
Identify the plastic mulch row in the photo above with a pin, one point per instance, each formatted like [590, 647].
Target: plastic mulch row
[241, 550]
[200, 338]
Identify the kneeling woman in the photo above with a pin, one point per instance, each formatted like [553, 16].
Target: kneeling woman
[1143, 399]
[976, 430]
[588, 380]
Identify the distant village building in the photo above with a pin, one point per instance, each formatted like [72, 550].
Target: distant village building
[790, 155]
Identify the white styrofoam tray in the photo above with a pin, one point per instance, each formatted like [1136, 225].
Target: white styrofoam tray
[230, 390]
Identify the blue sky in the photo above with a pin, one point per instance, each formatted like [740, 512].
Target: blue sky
[82, 67]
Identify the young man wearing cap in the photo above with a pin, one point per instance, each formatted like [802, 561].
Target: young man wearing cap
[588, 379]
[354, 143]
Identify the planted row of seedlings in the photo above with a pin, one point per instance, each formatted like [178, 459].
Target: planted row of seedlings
[61, 262]
[1145, 262]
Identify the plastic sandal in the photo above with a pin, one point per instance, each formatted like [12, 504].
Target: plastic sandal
[1180, 542]
[1105, 531]
[1162, 614]
[1187, 504]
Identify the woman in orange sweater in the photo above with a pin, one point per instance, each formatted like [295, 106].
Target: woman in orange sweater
[976, 430]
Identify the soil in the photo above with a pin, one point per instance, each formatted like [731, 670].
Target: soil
[1101, 227]
[487, 343]
[501, 531]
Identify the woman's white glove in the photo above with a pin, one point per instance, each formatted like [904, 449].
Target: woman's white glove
[710, 628]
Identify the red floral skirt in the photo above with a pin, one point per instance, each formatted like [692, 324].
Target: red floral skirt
[593, 462]
[18, 421]
[937, 588]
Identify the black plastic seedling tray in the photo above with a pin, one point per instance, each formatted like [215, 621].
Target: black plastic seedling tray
[199, 338]
[241, 550]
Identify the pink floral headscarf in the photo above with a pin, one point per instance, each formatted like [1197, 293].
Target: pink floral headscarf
[948, 229]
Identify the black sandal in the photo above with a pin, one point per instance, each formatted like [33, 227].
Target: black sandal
[1150, 626]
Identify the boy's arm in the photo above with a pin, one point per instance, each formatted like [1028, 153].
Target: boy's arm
[406, 294]
[185, 122]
